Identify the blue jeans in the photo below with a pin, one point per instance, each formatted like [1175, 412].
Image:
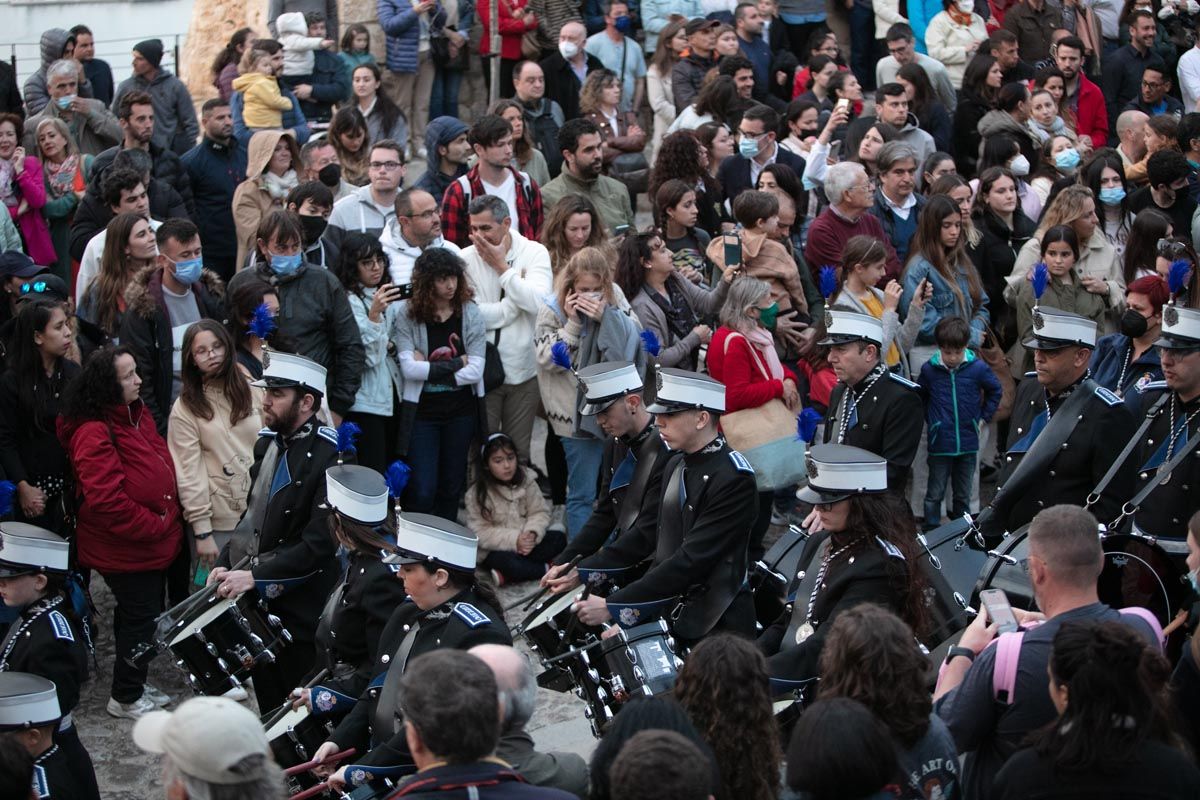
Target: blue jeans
[958, 470]
[443, 100]
[863, 48]
[437, 454]
[583, 469]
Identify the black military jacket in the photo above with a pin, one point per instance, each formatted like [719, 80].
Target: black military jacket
[1165, 513]
[887, 420]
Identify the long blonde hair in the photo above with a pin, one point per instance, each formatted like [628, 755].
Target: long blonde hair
[1065, 209]
[588, 261]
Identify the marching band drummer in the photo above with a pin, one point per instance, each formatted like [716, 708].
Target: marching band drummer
[47, 639]
[1065, 431]
[1166, 511]
[359, 608]
[30, 713]
[699, 546]
[284, 529]
[861, 554]
[448, 609]
[631, 470]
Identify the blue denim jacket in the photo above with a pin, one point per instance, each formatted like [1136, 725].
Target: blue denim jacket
[944, 303]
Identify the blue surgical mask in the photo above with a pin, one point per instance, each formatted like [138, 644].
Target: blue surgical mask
[188, 272]
[285, 265]
[748, 146]
[1112, 195]
[65, 102]
[1067, 159]
[623, 24]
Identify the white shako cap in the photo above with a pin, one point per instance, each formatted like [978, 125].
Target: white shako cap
[27, 701]
[426, 539]
[357, 492]
[1054, 330]
[1180, 328]
[207, 738]
[680, 390]
[837, 471]
[606, 383]
[282, 370]
[26, 548]
[842, 327]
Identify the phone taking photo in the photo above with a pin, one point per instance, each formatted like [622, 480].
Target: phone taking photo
[733, 249]
[406, 291]
[999, 611]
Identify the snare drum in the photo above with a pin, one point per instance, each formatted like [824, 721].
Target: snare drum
[219, 641]
[638, 661]
[551, 629]
[1141, 572]
[294, 738]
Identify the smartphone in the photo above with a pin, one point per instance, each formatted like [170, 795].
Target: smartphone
[998, 609]
[835, 149]
[406, 291]
[733, 249]
[843, 103]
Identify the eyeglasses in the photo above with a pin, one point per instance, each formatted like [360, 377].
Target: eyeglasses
[388, 165]
[430, 214]
[1151, 85]
[37, 287]
[1169, 249]
[217, 349]
[377, 261]
[746, 135]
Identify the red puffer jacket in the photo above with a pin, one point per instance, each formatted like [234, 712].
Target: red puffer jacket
[129, 515]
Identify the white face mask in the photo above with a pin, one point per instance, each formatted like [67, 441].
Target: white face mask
[1019, 166]
[966, 6]
[568, 50]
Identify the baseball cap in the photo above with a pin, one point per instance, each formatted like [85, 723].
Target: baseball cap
[14, 263]
[44, 284]
[206, 738]
[699, 24]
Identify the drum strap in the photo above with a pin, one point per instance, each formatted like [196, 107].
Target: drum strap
[631, 503]
[1130, 446]
[245, 535]
[325, 627]
[387, 716]
[1161, 475]
[1043, 450]
[804, 590]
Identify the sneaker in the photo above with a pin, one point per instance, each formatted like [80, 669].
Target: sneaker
[497, 578]
[237, 694]
[422, 153]
[134, 710]
[156, 695]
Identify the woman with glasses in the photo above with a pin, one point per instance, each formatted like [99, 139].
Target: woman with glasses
[361, 268]
[211, 434]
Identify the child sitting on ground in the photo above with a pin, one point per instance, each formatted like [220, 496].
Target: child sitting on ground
[508, 513]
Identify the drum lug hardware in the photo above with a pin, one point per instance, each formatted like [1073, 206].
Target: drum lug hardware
[243, 655]
[671, 643]
[224, 666]
[212, 649]
[274, 620]
[256, 639]
[646, 690]
[1007, 559]
[638, 674]
[587, 713]
[579, 692]
[962, 601]
[287, 636]
[593, 676]
[678, 663]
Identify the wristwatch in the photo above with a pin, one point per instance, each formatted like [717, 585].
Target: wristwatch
[956, 651]
[200, 537]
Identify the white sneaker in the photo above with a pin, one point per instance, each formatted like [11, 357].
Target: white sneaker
[155, 695]
[133, 710]
[237, 694]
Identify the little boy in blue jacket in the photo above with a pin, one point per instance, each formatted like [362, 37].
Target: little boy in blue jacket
[961, 393]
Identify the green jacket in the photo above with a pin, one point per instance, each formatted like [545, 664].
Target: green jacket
[609, 195]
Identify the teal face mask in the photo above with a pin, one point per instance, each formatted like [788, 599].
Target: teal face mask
[285, 265]
[188, 272]
[768, 315]
[65, 102]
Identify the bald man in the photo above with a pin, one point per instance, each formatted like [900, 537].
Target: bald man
[566, 69]
[1131, 131]
[518, 697]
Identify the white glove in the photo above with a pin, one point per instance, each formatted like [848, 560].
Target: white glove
[1168, 10]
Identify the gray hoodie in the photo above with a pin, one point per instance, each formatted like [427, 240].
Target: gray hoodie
[175, 124]
[37, 94]
[438, 133]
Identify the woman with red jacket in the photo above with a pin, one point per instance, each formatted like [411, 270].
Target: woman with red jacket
[516, 18]
[129, 525]
[741, 355]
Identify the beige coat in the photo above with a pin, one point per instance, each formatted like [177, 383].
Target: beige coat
[213, 460]
[251, 201]
[514, 510]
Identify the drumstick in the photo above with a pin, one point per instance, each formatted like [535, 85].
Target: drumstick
[574, 651]
[540, 593]
[278, 713]
[201, 596]
[316, 762]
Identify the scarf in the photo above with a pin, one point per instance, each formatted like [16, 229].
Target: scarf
[8, 186]
[959, 18]
[61, 177]
[764, 343]
[278, 186]
[680, 317]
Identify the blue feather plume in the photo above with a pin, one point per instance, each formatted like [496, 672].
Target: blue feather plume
[397, 478]
[561, 355]
[7, 490]
[806, 425]
[1177, 276]
[1041, 277]
[650, 343]
[262, 322]
[347, 434]
[829, 281]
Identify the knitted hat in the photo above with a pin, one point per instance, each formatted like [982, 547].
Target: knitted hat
[151, 50]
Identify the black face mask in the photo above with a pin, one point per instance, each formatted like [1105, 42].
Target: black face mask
[313, 227]
[331, 175]
[1134, 324]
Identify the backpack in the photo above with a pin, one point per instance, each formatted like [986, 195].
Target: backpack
[525, 187]
[1008, 651]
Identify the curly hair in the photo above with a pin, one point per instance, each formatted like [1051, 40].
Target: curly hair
[679, 157]
[886, 516]
[724, 687]
[632, 256]
[357, 247]
[434, 263]
[591, 94]
[96, 388]
[870, 656]
[639, 714]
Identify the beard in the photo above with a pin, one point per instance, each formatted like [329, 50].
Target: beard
[285, 421]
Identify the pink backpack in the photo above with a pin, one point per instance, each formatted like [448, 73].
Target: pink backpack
[1008, 651]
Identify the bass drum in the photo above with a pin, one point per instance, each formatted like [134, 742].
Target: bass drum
[1140, 573]
[950, 564]
[1008, 570]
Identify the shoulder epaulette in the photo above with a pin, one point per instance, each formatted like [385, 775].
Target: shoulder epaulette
[60, 626]
[889, 548]
[1108, 397]
[740, 463]
[40, 784]
[903, 381]
[330, 434]
[267, 433]
[471, 615]
[1154, 386]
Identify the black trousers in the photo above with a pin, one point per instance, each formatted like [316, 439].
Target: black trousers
[377, 443]
[139, 597]
[556, 467]
[81, 763]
